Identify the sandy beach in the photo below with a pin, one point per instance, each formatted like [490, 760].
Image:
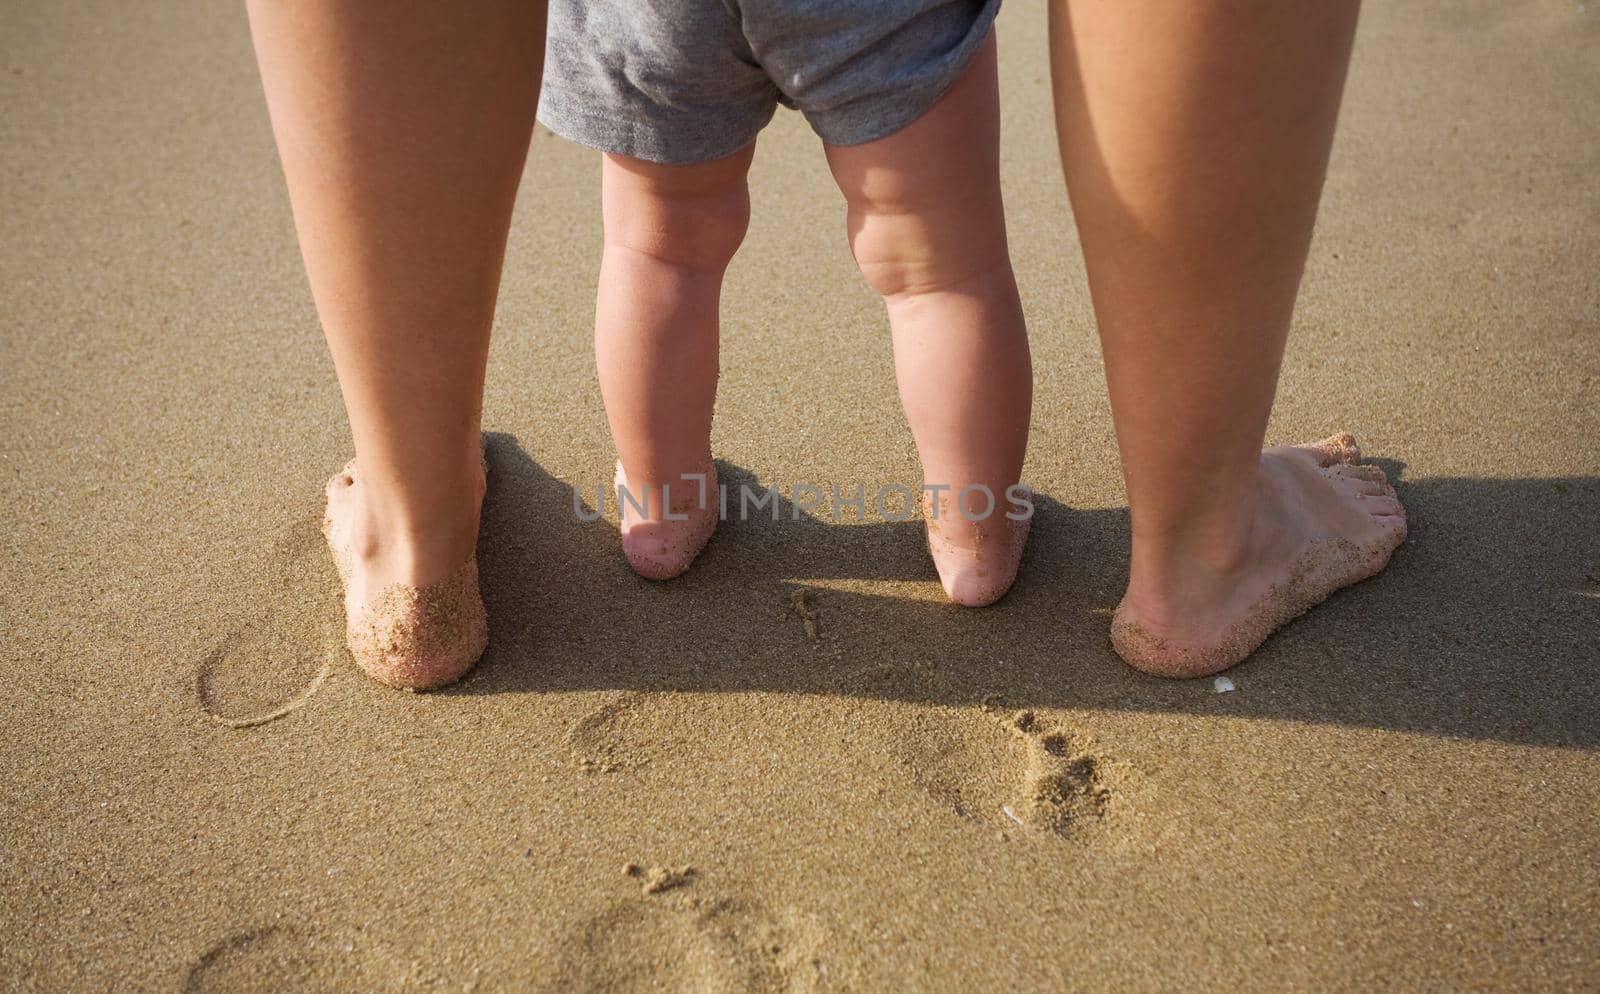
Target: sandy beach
[796, 768]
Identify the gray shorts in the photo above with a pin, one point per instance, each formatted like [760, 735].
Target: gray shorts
[684, 81]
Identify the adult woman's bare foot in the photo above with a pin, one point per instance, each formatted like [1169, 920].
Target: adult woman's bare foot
[977, 560]
[1322, 522]
[660, 547]
[414, 617]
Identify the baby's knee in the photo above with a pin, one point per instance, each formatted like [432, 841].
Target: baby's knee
[697, 229]
[908, 253]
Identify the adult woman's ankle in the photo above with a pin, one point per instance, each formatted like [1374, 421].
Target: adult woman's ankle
[420, 557]
[1216, 540]
[404, 540]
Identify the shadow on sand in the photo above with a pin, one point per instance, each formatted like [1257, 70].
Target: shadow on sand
[1484, 626]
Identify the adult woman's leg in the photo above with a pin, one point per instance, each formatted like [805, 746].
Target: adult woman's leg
[1194, 138]
[403, 127]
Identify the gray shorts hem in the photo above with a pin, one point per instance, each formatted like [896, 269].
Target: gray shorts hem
[698, 85]
[847, 126]
[652, 145]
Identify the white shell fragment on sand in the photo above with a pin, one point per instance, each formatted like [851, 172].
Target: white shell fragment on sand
[1222, 685]
[1010, 813]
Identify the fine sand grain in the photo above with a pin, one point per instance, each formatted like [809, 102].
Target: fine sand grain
[823, 776]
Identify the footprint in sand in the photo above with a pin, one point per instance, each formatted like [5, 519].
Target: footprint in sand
[600, 741]
[293, 638]
[677, 941]
[1012, 770]
[1065, 788]
[635, 729]
[283, 958]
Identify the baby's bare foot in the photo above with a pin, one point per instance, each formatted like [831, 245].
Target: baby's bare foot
[658, 547]
[977, 560]
[412, 621]
[1323, 522]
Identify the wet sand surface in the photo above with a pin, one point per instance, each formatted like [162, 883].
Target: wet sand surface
[796, 768]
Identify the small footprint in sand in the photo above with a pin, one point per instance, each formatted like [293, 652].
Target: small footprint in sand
[1065, 788]
[290, 957]
[1017, 771]
[293, 637]
[600, 741]
[664, 728]
[678, 941]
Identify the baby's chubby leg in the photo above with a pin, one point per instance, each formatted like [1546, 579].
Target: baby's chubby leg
[670, 232]
[927, 228]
